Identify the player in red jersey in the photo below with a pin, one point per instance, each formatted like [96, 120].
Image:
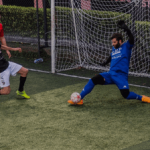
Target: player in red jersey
[8, 68]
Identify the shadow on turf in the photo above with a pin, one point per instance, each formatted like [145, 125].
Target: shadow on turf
[110, 104]
[141, 146]
[39, 82]
[76, 105]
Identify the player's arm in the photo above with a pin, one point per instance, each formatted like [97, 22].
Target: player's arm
[4, 47]
[107, 61]
[3, 41]
[121, 24]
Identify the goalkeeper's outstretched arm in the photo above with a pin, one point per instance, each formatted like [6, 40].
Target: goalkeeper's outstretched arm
[121, 24]
[130, 35]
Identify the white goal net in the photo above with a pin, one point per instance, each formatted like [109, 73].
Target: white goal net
[83, 29]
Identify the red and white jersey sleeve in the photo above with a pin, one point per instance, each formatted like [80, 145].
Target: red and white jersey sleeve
[1, 30]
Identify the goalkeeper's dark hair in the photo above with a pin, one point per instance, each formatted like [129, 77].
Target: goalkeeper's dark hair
[118, 36]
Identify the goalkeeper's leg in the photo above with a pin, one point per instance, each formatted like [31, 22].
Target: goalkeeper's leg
[131, 95]
[98, 79]
[122, 82]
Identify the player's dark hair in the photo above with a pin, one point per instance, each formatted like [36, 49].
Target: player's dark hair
[118, 36]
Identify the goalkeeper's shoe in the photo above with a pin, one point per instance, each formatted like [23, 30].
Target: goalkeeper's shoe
[22, 94]
[79, 103]
[145, 99]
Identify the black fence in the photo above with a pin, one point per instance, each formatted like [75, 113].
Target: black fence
[31, 3]
[25, 3]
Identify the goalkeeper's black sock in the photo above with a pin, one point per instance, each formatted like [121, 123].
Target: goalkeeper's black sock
[22, 81]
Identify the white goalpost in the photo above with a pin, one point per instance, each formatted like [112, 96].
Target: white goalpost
[53, 36]
[81, 31]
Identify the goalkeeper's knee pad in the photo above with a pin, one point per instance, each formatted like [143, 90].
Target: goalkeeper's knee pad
[125, 92]
[98, 79]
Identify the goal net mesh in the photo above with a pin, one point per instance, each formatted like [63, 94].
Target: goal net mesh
[84, 28]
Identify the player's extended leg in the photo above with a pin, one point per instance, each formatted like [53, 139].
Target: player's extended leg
[4, 82]
[121, 81]
[98, 79]
[131, 95]
[23, 75]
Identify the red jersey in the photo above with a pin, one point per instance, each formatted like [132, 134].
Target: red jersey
[3, 62]
[1, 30]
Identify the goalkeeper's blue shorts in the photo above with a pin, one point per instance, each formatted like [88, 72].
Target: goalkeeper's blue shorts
[120, 79]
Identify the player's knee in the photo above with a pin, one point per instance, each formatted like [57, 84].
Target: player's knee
[98, 79]
[26, 71]
[125, 93]
[5, 91]
[8, 92]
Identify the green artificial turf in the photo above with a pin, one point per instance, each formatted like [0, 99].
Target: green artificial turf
[106, 121]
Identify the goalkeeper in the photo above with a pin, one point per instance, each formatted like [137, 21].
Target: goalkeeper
[119, 67]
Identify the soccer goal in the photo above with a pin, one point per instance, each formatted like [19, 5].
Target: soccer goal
[81, 31]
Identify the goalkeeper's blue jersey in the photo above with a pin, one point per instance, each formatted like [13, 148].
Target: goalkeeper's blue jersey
[120, 58]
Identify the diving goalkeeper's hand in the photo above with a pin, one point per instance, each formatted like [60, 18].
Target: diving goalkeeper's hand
[121, 24]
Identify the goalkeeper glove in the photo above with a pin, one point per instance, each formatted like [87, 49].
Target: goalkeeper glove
[121, 24]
